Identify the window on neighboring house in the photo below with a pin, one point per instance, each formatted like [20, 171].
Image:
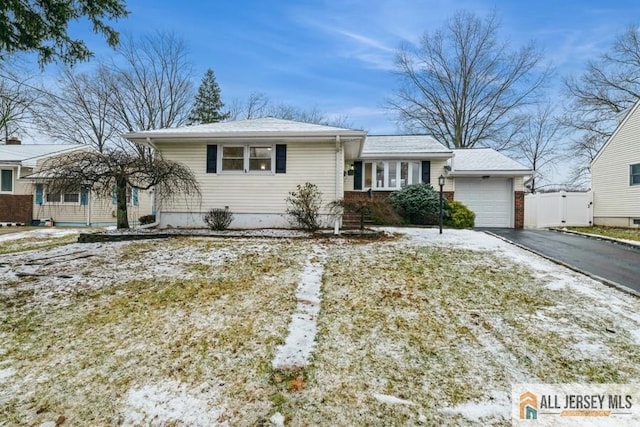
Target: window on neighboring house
[73, 198]
[247, 158]
[52, 197]
[6, 180]
[391, 175]
[635, 174]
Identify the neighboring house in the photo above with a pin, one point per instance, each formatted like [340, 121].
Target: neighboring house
[615, 175]
[24, 197]
[251, 166]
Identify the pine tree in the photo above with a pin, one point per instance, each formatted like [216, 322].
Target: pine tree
[208, 106]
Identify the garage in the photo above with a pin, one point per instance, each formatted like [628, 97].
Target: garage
[490, 198]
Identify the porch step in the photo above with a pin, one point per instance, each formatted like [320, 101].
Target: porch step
[352, 220]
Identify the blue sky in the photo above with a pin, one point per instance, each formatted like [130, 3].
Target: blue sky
[338, 55]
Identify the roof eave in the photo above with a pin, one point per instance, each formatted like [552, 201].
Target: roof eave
[474, 173]
[142, 137]
[408, 156]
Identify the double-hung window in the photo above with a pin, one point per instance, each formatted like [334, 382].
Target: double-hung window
[247, 158]
[634, 178]
[6, 180]
[70, 198]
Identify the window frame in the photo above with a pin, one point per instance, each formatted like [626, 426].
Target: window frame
[634, 177]
[11, 182]
[61, 198]
[246, 159]
[387, 166]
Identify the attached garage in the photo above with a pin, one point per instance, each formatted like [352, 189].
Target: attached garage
[491, 199]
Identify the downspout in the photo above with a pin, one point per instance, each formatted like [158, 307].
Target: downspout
[89, 200]
[339, 179]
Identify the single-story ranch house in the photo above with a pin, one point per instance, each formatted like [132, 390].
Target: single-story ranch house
[251, 166]
[24, 197]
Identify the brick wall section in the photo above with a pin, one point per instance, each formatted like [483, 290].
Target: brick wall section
[519, 209]
[383, 195]
[16, 208]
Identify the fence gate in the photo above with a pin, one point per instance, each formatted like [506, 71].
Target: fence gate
[558, 209]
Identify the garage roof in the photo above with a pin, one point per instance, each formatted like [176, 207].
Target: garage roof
[485, 161]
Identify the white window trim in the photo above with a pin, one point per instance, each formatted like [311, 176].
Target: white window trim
[631, 174]
[45, 199]
[246, 159]
[385, 178]
[13, 181]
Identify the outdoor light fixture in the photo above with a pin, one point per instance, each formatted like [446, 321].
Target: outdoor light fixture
[441, 184]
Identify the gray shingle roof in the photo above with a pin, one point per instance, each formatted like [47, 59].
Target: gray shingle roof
[484, 159]
[26, 152]
[262, 126]
[382, 146]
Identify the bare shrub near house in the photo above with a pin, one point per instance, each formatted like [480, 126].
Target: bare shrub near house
[304, 206]
[218, 219]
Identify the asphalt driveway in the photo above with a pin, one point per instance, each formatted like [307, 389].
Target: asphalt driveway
[614, 262]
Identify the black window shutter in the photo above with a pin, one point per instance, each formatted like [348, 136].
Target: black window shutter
[281, 158]
[357, 175]
[426, 172]
[212, 158]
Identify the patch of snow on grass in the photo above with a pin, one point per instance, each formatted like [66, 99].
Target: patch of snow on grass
[6, 373]
[170, 403]
[277, 419]
[39, 234]
[392, 400]
[300, 341]
[475, 411]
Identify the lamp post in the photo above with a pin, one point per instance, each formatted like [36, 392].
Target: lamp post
[441, 184]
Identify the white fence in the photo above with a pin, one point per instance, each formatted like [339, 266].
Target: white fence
[558, 209]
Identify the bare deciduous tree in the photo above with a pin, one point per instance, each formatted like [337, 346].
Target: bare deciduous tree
[465, 87]
[538, 143]
[260, 105]
[152, 86]
[80, 113]
[17, 102]
[119, 171]
[607, 88]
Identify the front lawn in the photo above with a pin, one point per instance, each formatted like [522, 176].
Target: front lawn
[613, 232]
[419, 328]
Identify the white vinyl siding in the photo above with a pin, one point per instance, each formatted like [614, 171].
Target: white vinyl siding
[101, 211]
[255, 193]
[613, 194]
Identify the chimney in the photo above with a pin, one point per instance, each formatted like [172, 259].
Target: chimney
[14, 140]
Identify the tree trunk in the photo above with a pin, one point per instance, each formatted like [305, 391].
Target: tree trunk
[121, 210]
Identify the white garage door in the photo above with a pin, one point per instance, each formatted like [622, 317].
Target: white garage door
[491, 199]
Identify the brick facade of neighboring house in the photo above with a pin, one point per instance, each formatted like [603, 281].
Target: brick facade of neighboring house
[16, 208]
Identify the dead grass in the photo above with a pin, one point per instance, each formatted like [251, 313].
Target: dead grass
[613, 232]
[437, 326]
[29, 244]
